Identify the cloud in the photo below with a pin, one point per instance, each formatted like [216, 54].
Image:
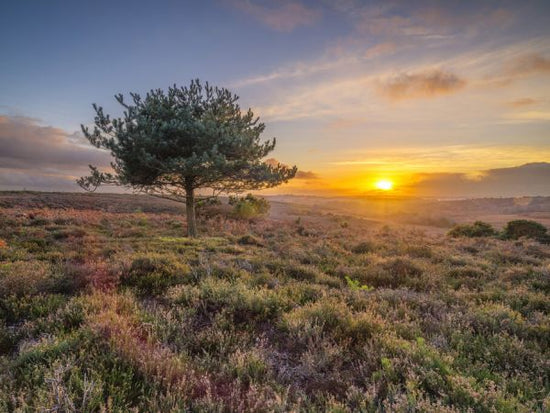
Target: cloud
[297, 70]
[284, 17]
[428, 20]
[306, 175]
[526, 180]
[37, 156]
[514, 69]
[380, 49]
[519, 103]
[534, 115]
[527, 64]
[421, 85]
[449, 158]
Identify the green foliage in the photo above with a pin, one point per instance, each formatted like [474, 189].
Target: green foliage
[171, 143]
[362, 248]
[477, 229]
[153, 274]
[249, 206]
[250, 239]
[355, 285]
[524, 228]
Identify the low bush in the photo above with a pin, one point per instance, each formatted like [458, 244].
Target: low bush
[362, 248]
[477, 229]
[154, 273]
[249, 239]
[21, 278]
[249, 206]
[524, 228]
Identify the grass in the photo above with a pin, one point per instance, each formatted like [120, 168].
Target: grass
[113, 310]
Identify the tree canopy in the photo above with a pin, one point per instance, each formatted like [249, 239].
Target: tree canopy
[171, 143]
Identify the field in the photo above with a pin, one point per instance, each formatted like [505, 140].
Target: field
[106, 306]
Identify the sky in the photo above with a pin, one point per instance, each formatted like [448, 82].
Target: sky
[443, 98]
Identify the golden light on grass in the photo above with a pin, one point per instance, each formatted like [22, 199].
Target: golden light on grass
[384, 184]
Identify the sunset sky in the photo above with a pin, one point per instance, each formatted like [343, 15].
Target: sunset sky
[446, 98]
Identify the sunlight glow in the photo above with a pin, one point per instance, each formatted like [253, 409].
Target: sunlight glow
[384, 185]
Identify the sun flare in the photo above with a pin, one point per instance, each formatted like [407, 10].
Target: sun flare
[384, 184]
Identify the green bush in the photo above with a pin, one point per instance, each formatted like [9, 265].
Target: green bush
[152, 274]
[477, 229]
[249, 239]
[249, 206]
[362, 248]
[524, 228]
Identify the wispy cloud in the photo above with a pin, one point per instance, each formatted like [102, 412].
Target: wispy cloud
[432, 21]
[306, 175]
[298, 70]
[380, 49]
[426, 84]
[283, 16]
[522, 102]
[527, 64]
[452, 158]
[533, 115]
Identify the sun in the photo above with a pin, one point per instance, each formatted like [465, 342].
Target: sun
[384, 184]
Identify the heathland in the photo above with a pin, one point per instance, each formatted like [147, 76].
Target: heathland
[106, 306]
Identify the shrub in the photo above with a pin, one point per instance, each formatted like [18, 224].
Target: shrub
[477, 229]
[524, 228]
[250, 240]
[249, 207]
[362, 248]
[153, 274]
[355, 285]
[21, 278]
[68, 233]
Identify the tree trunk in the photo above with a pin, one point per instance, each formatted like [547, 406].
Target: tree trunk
[190, 209]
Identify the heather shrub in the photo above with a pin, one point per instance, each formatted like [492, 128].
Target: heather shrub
[249, 206]
[248, 366]
[152, 274]
[524, 228]
[68, 233]
[334, 318]
[301, 272]
[477, 229]
[249, 239]
[362, 248]
[468, 276]
[411, 321]
[14, 309]
[21, 277]
[236, 300]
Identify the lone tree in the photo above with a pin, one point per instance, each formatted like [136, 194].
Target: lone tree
[172, 143]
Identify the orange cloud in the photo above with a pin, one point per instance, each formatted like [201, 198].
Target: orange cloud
[284, 17]
[528, 64]
[306, 175]
[519, 103]
[421, 85]
[299, 174]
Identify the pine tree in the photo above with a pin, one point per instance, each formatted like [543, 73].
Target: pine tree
[172, 143]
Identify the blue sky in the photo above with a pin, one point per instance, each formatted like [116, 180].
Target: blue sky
[354, 91]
